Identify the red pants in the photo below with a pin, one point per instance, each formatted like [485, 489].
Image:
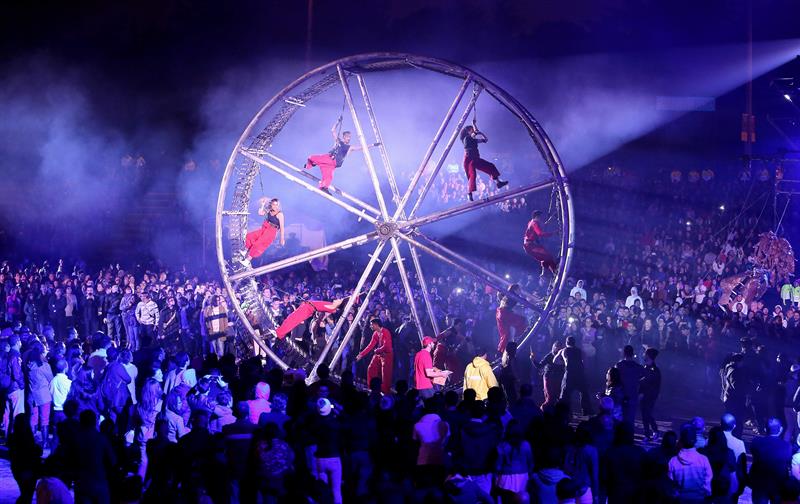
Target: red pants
[506, 319]
[326, 165]
[541, 255]
[381, 366]
[472, 165]
[258, 241]
[300, 315]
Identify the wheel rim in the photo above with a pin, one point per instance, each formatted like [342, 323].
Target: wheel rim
[393, 226]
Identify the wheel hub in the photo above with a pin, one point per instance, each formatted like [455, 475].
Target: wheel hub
[386, 229]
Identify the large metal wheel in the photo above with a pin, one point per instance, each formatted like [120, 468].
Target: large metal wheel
[393, 227]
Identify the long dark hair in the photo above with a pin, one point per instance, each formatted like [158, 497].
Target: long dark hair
[466, 130]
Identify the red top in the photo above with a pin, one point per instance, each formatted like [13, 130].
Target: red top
[382, 339]
[422, 361]
[534, 231]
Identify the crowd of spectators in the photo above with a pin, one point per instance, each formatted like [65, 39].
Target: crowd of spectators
[138, 384]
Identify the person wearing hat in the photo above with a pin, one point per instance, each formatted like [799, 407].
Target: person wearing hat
[479, 376]
[649, 388]
[328, 456]
[424, 371]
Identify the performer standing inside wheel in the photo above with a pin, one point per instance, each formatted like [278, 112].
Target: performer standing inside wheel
[473, 162]
[508, 319]
[258, 241]
[381, 364]
[533, 246]
[334, 158]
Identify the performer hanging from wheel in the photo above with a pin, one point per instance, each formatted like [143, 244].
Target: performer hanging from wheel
[533, 246]
[303, 312]
[473, 162]
[335, 157]
[382, 360]
[508, 319]
[258, 241]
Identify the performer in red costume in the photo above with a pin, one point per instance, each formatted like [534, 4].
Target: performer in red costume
[533, 246]
[382, 360]
[305, 311]
[473, 162]
[507, 319]
[334, 158]
[258, 241]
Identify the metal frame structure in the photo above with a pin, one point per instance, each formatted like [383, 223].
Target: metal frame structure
[400, 225]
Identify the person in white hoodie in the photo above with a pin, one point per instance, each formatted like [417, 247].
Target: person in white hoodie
[631, 300]
[59, 389]
[578, 289]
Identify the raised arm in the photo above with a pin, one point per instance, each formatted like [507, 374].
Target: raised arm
[335, 127]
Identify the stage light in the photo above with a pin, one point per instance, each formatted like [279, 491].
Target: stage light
[688, 223]
[459, 290]
[508, 276]
[788, 98]
[722, 208]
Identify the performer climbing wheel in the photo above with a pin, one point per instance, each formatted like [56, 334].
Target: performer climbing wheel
[398, 231]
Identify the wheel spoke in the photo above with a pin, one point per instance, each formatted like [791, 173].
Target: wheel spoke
[305, 256]
[363, 141]
[432, 147]
[448, 256]
[387, 166]
[263, 162]
[448, 146]
[306, 174]
[350, 303]
[407, 286]
[424, 287]
[362, 309]
[468, 207]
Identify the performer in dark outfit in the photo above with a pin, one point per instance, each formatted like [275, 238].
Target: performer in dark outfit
[258, 241]
[473, 162]
[533, 246]
[334, 158]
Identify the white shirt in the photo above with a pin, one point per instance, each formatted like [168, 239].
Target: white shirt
[59, 389]
[576, 290]
[631, 300]
[133, 372]
[735, 444]
[147, 313]
[432, 433]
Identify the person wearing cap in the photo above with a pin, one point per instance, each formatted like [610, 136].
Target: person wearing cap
[382, 360]
[649, 388]
[478, 375]
[424, 371]
[328, 455]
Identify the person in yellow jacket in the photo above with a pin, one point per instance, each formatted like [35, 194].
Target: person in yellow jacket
[479, 375]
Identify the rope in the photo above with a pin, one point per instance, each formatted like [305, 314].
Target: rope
[780, 221]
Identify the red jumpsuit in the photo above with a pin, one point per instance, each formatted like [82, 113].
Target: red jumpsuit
[301, 314]
[258, 241]
[533, 233]
[382, 360]
[328, 162]
[506, 319]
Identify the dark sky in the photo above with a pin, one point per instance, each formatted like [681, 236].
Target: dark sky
[161, 55]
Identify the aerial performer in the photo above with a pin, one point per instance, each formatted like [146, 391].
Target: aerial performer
[382, 360]
[508, 319]
[473, 163]
[533, 246]
[305, 311]
[334, 158]
[258, 241]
